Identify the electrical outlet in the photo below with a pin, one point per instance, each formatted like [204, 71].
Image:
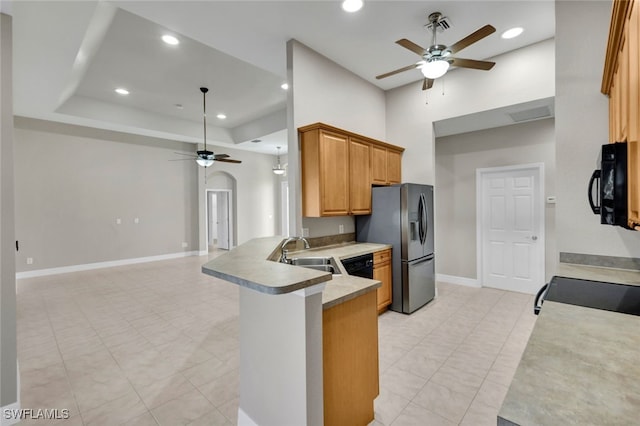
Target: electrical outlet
[136, 220]
[340, 229]
[305, 232]
[29, 260]
[185, 244]
[118, 221]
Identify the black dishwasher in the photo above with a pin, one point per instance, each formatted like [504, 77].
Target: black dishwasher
[360, 266]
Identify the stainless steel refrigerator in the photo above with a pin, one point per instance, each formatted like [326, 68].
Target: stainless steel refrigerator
[402, 215]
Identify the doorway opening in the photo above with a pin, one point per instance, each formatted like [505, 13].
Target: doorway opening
[219, 222]
[510, 227]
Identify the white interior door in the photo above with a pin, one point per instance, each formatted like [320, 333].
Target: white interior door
[511, 228]
[222, 209]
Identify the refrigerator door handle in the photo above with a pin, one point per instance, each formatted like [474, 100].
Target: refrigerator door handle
[422, 211]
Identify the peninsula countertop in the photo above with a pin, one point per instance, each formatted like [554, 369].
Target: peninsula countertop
[251, 265]
[580, 364]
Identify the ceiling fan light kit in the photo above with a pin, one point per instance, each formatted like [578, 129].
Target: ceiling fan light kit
[437, 59]
[435, 68]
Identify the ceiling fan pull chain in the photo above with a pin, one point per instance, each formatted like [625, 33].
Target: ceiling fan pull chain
[443, 87]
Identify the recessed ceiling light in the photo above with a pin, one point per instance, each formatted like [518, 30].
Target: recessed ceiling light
[169, 39]
[221, 116]
[352, 5]
[122, 91]
[513, 32]
[285, 86]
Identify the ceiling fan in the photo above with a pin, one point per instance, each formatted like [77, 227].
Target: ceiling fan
[437, 58]
[204, 157]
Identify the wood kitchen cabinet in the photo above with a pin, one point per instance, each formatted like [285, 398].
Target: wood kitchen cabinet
[385, 165]
[383, 273]
[338, 169]
[350, 361]
[621, 81]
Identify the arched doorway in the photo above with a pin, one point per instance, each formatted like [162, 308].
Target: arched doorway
[220, 211]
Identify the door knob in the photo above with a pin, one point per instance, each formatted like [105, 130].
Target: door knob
[534, 237]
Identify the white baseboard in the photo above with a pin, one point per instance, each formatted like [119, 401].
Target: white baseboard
[203, 252]
[99, 265]
[452, 279]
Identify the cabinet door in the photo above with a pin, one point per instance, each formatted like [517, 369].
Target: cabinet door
[378, 165]
[334, 174]
[360, 177]
[382, 272]
[394, 167]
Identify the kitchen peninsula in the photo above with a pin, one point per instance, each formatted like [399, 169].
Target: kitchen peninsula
[286, 313]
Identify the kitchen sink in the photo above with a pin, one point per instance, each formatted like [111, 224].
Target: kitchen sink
[327, 264]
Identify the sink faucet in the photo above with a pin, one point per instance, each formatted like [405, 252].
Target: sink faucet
[283, 251]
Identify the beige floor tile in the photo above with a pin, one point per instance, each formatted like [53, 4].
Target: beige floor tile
[491, 394]
[88, 339]
[183, 410]
[450, 400]
[479, 414]
[115, 412]
[222, 389]
[414, 415]
[401, 382]
[388, 406]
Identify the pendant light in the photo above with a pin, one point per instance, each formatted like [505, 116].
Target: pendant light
[278, 170]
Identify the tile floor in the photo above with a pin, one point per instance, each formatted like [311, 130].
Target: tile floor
[156, 343]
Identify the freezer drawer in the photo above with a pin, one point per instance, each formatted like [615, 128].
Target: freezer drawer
[418, 283]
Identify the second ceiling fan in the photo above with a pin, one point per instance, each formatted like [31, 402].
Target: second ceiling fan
[438, 57]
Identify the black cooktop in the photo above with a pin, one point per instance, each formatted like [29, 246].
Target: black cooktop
[621, 298]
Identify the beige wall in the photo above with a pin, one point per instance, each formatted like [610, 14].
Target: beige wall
[581, 128]
[74, 182]
[457, 158]
[321, 90]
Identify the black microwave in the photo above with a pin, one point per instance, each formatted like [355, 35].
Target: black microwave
[608, 186]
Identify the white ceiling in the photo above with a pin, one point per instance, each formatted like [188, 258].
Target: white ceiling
[69, 56]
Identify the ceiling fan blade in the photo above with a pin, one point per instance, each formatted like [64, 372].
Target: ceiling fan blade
[472, 38]
[228, 160]
[403, 69]
[427, 83]
[472, 63]
[220, 156]
[408, 44]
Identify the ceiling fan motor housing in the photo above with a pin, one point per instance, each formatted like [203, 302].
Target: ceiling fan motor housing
[440, 22]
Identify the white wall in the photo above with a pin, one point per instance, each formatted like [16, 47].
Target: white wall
[520, 76]
[581, 128]
[457, 158]
[323, 91]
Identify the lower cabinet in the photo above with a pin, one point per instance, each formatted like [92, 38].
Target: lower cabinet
[350, 361]
[383, 273]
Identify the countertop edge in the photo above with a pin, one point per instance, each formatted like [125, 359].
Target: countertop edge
[265, 288]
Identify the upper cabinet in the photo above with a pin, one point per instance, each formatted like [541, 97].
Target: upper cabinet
[339, 167]
[385, 165]
[620, 82]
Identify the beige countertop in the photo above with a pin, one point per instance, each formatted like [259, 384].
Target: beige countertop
[580, 367]
[248, 265]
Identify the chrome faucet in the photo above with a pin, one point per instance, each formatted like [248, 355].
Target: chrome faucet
[283, 251]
